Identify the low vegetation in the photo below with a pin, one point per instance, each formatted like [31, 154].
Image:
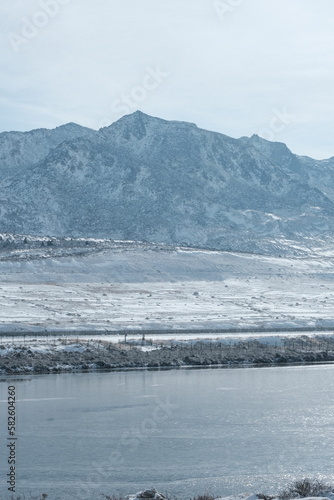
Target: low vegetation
[306, 488]
[298, 489]
[206, 496]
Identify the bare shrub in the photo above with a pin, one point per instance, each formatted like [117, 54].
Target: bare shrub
[305, 488]
[206, 496]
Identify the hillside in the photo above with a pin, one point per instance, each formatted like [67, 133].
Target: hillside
[99, 286]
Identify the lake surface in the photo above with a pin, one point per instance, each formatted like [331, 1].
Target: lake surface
[185, 432]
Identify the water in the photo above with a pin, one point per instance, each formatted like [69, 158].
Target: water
[185, 432]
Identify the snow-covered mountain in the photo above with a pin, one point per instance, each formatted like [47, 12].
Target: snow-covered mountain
[21, 150]
[144, 178]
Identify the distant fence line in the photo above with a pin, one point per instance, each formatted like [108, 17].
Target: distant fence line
[193, 346]
[181, 331]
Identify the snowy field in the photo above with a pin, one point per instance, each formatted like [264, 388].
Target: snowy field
[151, 289]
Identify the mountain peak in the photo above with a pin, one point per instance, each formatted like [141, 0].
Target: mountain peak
[135, 116]
[139, 114]
[130, 126]
[73, 127]
[69, 125]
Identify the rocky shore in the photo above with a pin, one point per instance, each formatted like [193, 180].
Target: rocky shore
[66, 355]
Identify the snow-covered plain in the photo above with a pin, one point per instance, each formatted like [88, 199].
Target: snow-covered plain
[146, 288]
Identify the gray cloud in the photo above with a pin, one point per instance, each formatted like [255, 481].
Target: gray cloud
[230, 64]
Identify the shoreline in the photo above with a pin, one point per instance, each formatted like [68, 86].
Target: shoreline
[82, 355]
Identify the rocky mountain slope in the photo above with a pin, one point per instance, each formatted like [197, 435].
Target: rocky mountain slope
[143, 178]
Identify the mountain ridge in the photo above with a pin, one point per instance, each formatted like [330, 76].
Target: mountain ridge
[166, 181]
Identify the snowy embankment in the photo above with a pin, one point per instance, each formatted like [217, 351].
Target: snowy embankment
[141, 287]
[327, 494]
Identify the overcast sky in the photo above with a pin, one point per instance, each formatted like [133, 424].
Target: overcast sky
[234, 66]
